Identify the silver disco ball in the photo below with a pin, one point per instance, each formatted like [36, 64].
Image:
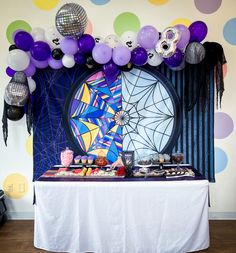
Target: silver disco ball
[194, 53]
[71, 20]
[17, 91]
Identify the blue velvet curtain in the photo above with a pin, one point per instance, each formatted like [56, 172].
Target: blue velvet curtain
[196, 138]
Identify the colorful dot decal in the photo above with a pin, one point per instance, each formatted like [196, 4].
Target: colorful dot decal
[183, 21]
[221, 160]
[17, 25]
[224, 125]
[29, 145]
[158, 2]
[126, 21]
[229, 31]
[15, 186]
[207, 6]
[46, 4]
[100, 2]
[89, 28]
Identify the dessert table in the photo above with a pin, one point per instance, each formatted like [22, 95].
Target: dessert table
[122, 216]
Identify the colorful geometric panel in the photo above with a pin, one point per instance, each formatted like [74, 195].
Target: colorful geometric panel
[92, 116]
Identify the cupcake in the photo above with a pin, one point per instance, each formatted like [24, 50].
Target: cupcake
[84, 159]
[77, 159]
[90, 159]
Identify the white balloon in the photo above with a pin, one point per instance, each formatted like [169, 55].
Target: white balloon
[98, 39]
[53, 37]
[129, 39]
[38, 34]
[154, 59]
[113, 41]
[18, 60]
[32, 84]
[68, 61]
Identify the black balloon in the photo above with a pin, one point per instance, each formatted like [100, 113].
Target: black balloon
[90, 63]
[15, 112]
[12, 47]
[57, 54]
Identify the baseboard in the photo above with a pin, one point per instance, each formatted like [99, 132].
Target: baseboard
[222, 216]
[212, 215]
[20, 215]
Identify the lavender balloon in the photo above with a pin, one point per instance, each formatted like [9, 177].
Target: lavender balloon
[121, 55]
[39, 64]
[40, 51]
[69, 46]
[148, 37]
[175, 60]
[80, 58]
[30, 71]
[139, 56]
[10, 72]
[55, 64]
[102, 53]
[23, 40]
[184, 38]
[198, 31]
[86, 43]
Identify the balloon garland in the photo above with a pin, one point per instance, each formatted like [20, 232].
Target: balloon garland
[65, 45]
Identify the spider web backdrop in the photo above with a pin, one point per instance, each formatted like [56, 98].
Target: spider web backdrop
[49, 136]
[142, 116]
[150, 113]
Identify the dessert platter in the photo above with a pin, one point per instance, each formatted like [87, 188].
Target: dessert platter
[157, 165]
[179, 172]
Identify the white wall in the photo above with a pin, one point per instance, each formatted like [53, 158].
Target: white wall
[17, 157]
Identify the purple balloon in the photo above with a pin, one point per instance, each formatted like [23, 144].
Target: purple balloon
[40, 51]
[184, 38]
[110, 69]
[147, 37]
[30, 71]
[69, 46]
[112, 79]
[175, 60]
[102, 53]
[23, 40]
[55, 64]
[10, 72]
[121, 55]
[15, 32]
[198, 31]
[86, 43]
[80, 58]
[39, 64]
[139, 56]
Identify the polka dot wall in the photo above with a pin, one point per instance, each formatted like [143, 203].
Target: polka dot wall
[116, 17]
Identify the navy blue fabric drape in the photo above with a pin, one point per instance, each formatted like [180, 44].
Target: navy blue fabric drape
[196, 139]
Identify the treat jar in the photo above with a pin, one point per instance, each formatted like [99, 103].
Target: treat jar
[67, 157]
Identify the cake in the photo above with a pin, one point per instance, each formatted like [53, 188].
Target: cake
[84, 159]
[77, 159]
[90, 159]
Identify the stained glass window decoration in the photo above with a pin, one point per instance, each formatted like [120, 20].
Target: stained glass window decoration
[139, 111]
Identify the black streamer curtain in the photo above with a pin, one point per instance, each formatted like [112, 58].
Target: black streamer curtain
[196, 139]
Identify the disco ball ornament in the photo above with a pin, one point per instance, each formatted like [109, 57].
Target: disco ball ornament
[71, 20]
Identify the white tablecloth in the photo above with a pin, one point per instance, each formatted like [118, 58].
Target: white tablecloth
[122, 217]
